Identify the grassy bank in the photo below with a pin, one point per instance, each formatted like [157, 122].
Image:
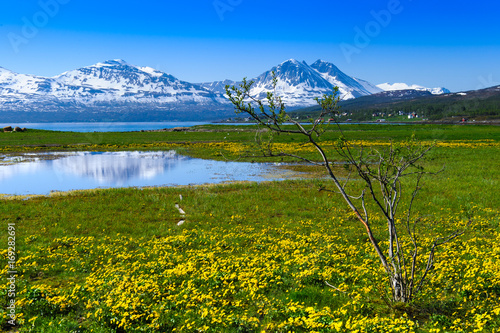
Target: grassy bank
[219, 135]
[249, 257]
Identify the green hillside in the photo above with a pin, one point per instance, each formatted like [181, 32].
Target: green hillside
[396, 106]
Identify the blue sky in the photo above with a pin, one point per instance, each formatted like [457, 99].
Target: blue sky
[455, 44]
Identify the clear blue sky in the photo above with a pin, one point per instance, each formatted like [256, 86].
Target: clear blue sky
[455, 44]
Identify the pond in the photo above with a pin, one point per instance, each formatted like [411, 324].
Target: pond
[42, 173]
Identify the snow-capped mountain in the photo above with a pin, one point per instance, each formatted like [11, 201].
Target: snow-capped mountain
[114, 86]
[299, 83]
[404, 86]
[122, 82]
[117, 90]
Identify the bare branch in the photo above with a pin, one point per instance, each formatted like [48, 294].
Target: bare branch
[333, 287]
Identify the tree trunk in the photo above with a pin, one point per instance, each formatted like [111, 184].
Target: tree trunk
[399, 289]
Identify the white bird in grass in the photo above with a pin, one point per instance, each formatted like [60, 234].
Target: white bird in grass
[182, 212]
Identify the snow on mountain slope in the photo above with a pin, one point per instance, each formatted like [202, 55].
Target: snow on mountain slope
[120, 81]
[349, 87]
[14, 85]
[404, 86]
[299, 83]
[371, 88]
[218, 86]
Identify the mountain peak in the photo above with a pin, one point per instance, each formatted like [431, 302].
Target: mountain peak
[112, 63]
[324, 66]
[321, 61]
[292, 62]
[293, 66]
[299, 83]
[116, 62]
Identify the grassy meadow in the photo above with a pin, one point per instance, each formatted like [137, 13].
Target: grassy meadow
[250, 257]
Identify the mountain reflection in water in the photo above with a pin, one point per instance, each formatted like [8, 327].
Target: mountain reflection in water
[118, 167]
[42, 173]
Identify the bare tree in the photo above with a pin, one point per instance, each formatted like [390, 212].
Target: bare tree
[382, 171]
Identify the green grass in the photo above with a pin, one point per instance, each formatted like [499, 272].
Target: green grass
[92, 259]
[53, 140]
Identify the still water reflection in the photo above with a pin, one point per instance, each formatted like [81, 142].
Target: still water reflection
[42, 173]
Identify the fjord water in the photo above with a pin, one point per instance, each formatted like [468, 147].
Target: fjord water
[42, 173]
[104, 126]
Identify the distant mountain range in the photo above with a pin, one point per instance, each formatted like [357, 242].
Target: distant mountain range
[482, 104]
[404, 86]
[118, 91]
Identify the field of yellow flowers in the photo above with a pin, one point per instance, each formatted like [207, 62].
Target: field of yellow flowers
[251, 257]
[246, 278]
[235, 269]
